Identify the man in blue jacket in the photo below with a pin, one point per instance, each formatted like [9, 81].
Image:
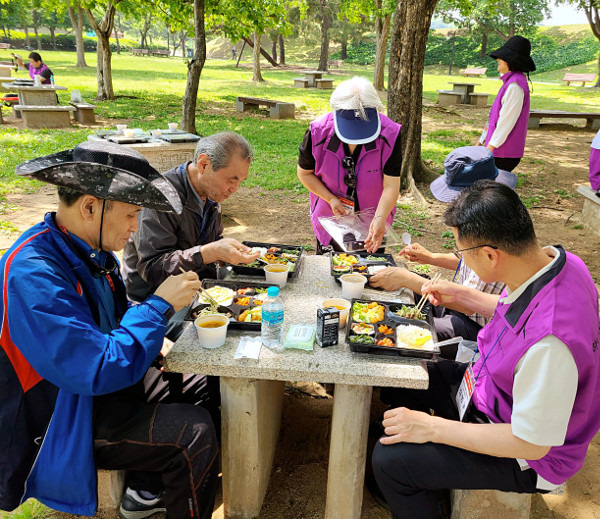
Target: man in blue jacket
[73, 352]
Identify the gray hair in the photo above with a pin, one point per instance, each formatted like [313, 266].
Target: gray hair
[220, 147]
[356, 94]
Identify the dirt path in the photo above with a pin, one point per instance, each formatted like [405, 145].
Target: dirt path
[556, 163]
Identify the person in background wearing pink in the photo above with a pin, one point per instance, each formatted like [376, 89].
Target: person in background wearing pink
[595, 164]
[36, 67]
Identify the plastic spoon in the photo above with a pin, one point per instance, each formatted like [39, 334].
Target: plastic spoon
[406, 238]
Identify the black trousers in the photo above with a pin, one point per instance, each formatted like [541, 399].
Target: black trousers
[506, 163]
[416, 478]
[164, 439]
[450, 323]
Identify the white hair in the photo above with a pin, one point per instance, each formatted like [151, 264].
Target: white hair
[356, 94]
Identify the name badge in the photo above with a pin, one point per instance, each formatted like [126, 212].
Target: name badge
[483, 136]
[465, 392]
[348, 204]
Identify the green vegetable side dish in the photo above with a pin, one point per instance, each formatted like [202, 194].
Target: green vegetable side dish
[375, 258]
[362, 339]
[410, 312]
[259, 290]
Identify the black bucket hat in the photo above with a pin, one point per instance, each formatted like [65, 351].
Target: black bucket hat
[517, 53]
[107, 171]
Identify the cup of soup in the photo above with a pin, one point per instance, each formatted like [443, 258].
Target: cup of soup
[211, 330]
[277, 274]
[341, 304]
[173, 126]
[128, 132]
[353, 285]
[120, 128]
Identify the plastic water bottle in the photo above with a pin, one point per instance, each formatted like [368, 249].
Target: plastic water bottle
[271, 330]
[52, 79]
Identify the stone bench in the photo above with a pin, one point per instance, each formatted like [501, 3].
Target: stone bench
[478, 98]
[492, 504]
[277, 109]
[45, 116]
[301, 82]
[84, 112]
[449, 97]
[592, 118]
[111, 485]
[324, 83]
[591, 210]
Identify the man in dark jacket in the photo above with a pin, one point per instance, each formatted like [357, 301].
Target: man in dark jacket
[73, 353]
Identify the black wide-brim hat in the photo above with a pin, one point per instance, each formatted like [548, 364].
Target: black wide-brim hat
[517, 53]
[108, 171]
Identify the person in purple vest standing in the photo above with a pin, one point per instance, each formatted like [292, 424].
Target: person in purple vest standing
[506, 129]
[36, 67]
[595, 164]
[350, 160]
[521, 415]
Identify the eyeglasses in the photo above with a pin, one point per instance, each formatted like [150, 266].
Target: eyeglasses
[459, 255]
[350, 176]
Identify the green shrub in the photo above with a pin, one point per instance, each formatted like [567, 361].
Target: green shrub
[65, 42]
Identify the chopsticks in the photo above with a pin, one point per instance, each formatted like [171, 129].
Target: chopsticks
[434, 280]
[204, 293]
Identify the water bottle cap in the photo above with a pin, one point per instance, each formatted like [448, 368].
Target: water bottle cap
[273, 291]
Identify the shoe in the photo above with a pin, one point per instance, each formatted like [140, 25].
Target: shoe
[134, 506]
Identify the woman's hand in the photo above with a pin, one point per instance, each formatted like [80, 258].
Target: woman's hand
[337, 207]
[376, 234]
[418, 253]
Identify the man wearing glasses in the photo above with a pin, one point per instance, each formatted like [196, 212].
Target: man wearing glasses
[350, 160]
[528, 406]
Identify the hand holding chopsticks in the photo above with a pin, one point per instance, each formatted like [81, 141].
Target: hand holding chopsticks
[424, 298]
[204, 293]
[178, 291]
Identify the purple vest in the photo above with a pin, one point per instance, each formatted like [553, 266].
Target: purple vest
[595, 163]
[328, 152]
[514, 146]
[37, 71]
[563, 302]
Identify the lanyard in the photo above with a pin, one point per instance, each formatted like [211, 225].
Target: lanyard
[489, 352]
[456, 271]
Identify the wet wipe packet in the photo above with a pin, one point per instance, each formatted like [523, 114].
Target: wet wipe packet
[300, 337]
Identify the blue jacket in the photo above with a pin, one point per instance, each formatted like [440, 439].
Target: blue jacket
[67, 335]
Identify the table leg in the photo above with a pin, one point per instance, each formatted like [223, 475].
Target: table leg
[311, 81]
[347, 451]
[251, 417]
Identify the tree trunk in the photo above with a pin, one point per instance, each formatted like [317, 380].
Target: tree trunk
[405, 102]
[104, 66]
[53, 37]
[274, 48]
[77, 23]
[281, 50]
[256, 75]
[382, 32]
[591, 12]
[344, 50]
[117, 30]
[325, 24]
[35, 17]
[182, 39]
[27, 41]
[188, 115]
[484, 43]
[263, 52]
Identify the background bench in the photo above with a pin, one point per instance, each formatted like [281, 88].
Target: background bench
[584, 78]
[592, 119]
[449, 97]
[478, 98]
[84, 112]
[335, 63]
[277, 109]
[324, 83]
[473, 72]
[301, 82]
[140, 52]
[45, 116]
[5, 45]
[160, 52]
[590, 214]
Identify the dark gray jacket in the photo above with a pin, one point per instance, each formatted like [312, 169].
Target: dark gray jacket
[165, 242]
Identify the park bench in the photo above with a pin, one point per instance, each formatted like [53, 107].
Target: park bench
[277, 109]
[335, 63]
[301, 82]
[140, 52]
[160, 52]
[473, 72]
[324, 83]
[45, 116]
[592, 119]
[584, 78]
[449, 97]
[590, 214]
[492, 504]
[5, 45]
[84, 112]
[478, 98]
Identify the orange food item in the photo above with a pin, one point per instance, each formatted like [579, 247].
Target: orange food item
[243, 301]
[385, 329]
[385, 342]
[372, 305]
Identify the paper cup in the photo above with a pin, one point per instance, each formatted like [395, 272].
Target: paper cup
[172, 126]
[341, 304]
[353, 285]
[211, 330]
[128, 132]
[277, 274]
[120, 128]
[156, 134]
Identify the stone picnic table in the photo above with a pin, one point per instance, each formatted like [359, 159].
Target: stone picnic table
[464, 88]
[312, 75]
[252, 396]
